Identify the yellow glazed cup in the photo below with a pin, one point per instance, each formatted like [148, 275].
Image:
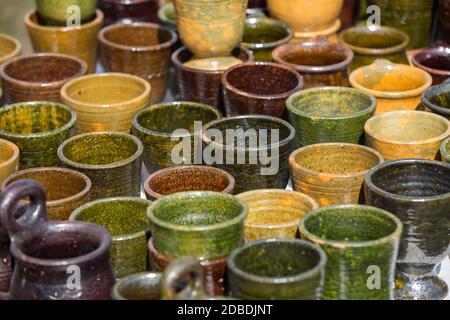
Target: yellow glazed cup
[9, 48]
[9, 159]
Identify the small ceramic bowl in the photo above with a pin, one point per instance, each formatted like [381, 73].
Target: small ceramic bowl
[39, 77]
[112, 161]
[275, 213]
[129, 11]
[445, 150]
[187, 178]
[9, 48]
[107, 101]
[437, 99]
[205, 225]
[9, 159]
[435, 61]
[407, 134]
[57, 12]
[140, 286]
[66, 189]
[37, 128]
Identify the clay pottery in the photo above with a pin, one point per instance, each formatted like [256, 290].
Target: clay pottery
[66, 189]
[139, 286]
[9, 159]
[129, 11]
[371, 44]
[205, 225]
[37, 128]
[396, 86]
[437, 99]
[349, 13]
[111, 160]
[444, 19]
[57, 12]
[168, 16]
[107, 101]
[329, 34]
[320, 62]
[275, 213]
[78, 41]
[445, 150]
[9, 48]
[141, 49]
[435, 61]
[39, 77]
[359, 241]
[255, 154]
[330, 114]
[332, 173]
[277, 269]
[417, 192]
[49, 255]
[407, 134]
[187, 178]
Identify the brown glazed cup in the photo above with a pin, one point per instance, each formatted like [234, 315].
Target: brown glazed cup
[129, 10]
[9, 158]
[141, 49]
[9, 48]
[435, 61]
[259, 88]
[187, 178]
[39, 77]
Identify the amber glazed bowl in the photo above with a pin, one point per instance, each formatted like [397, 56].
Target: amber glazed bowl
[9, 158]
[9, 48]
[407, 134]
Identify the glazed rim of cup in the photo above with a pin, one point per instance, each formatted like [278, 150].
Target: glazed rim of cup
[15, 154]
[62, 157]
[417, 115]
[426, 97]
[445, 149]
[31, 23]
[134, 281]
[278, 280]
[270, 23]
[424, 52]
[16, 50]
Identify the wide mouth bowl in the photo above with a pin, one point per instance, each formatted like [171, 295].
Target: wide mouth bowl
[277, 261]
[263, 33]
[175, 119]
[445, 150]
[35, 119]
[433, 60]
[32, 22]
[9, 47]
[350, 226]
[408, 127]
[101, 150]
[188, 178]
[140, 286]
[9, 153]
[331, 103]
[437, 98]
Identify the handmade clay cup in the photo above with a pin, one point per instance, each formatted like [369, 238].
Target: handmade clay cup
[435, 61]
[9, 48]
[445, 150]
[140, 286]
[437, 99]
[9, 158]
[57, 12]
[129, 11]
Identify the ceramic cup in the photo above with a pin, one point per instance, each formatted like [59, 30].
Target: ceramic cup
[437, 99]
[275, 213]
[39, 77]
[129, 11]
[9, 48]
[445, 150]
[139, 286]
[417, 192]
[407, 134]
[435, 61]
[360, 242]
[330, 114]
[9, 159]
[56, 12]
[107, 101]
[275, 269]
[111, 160]
[37, 128]
[332, 173]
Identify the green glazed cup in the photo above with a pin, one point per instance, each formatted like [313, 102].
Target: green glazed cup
[445, 150]
[361, 243]
[56, 12]
[37, 128]
[205, 225]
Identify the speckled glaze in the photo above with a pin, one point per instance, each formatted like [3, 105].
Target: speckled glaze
[107, 101]
[129, 11]
[9, 159]
[418, 192]
[80, 42]
[358, 241]
[277, 269]
[330, 114]
[37, 128]
[275, 213]
[9, 48]
[141, 286]
[187, 178]
[205, 225]
[445, 150]
[66, 189]
[435, 61]
[437, 99]
[141, 49]
[55, 12]
[332, 173]
[407, 134]
[251, 175]
[155, 127]
[39, 77]
[111, 160]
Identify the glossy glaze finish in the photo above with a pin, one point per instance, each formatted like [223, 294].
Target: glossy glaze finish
[55, 12]
[141, 286]
[129, 11]
[445, 150]
[9, 48]
[9, 158]
[437, 99]
[435, 61]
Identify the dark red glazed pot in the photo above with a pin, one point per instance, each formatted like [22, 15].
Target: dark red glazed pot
[435, 61]
[129, 11]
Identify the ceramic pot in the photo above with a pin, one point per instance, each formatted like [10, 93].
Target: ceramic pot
[435, 61]
[9, 159]
[407, 134]
[358, 241]
[168, 16]
[107, 101]
[332, 173]
[320, 62]
[45, 255]
[37, 128]
[349, 13]
[255, 154]
[277, 269]
[275, 213]
[66, 189]
[205, 225]
[9, 48]
[39, 77]
[187, 178]
[418, 192]
[445, 150]
[437, 99]
[166, 128]
[80, 42]
[329, 34]
[57, 12]
[380, 43]
[129, 11]
[444, 19]
[140, 286]
[111, 160]
[396, 86]
[141, 49]
[330, 114]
